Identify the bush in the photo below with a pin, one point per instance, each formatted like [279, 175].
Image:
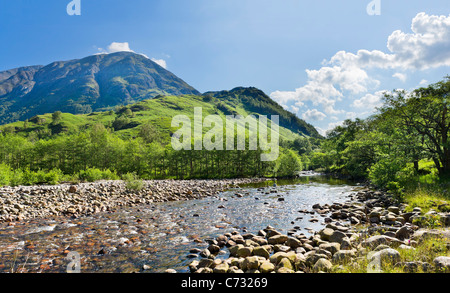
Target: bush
[5, 174]
[133, 182]
[288, 164]
[94, 174]
[386, 170]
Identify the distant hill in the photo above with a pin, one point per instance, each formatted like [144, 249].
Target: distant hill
[253, 100]
[95, 83]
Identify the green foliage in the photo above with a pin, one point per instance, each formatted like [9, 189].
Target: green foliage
[10, 177]
[5, 174]
[428, 221]
[385, 170]
[133, 182]
[94, 174]
[288, 164]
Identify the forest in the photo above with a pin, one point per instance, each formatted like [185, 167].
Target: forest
[99, 153]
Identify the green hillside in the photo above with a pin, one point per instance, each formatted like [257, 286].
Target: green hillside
[127, 121]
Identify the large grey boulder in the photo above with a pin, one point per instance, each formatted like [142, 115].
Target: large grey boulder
[388, 254]
[442, 264]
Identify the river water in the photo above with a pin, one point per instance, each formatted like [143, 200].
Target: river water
[160, 236]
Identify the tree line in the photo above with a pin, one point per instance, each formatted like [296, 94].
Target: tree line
[100, 153]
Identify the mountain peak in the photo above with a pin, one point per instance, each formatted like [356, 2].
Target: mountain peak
[94, 83]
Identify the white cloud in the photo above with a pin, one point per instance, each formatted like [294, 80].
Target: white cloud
[314, 115]
[428, 46]
[321, 131]
[333, 125]
[119, 47]
[400, 76]
[370, 101]
[325, 87]
[115, 47]
[160, 62]
[423, 82]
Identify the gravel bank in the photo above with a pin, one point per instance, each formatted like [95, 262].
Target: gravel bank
[30, 202]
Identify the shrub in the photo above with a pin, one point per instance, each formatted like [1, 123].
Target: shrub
[133, 182]
[288, 164]
[5, 174]
[52, 177]
[385, 170]
[94, 174]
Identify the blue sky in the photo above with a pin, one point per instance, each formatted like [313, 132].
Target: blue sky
[324, 60]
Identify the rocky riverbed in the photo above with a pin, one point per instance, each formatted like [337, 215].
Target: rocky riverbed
[30, 202]
[371, 226]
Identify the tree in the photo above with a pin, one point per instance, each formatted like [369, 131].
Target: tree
[56, 117]
[288, 164]
[148, 132]
[425, 114]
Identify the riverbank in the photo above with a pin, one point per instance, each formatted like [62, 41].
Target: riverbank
[372, 232]
[74, 200]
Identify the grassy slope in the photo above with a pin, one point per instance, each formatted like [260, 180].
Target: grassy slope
[158, 111]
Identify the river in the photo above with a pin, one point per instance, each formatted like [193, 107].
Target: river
[159, 236]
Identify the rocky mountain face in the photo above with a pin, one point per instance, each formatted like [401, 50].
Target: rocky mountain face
[95, 83]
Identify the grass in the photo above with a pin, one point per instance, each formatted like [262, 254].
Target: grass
[427, 199]
[158, 111]
[425, 251]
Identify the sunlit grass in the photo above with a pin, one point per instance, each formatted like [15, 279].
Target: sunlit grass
[425, 252]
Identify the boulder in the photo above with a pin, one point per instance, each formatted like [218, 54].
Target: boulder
[250, 263]
[376, 240]
[337, 236]
[388, 254]
[343, 256]
[293, 243]
[234, 249]
[326, 233]
[323, 265]
[277, 239]
[221, 269]
[331, 247]
[277, 257]
[244, 251]
[266, 267]
[442, 264]
[394, 209]
[261, 251]
[285, 263]
[403, 233]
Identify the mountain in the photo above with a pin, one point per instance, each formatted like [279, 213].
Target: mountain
[255, 101]
[95, 83]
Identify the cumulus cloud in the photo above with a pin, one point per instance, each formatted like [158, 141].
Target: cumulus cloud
[428, 46]
[400, 76]
[115, 47]
[119, 47]
[160, 62]
[314, 115]
[370, 101]
[346, 75]
[423, 82]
